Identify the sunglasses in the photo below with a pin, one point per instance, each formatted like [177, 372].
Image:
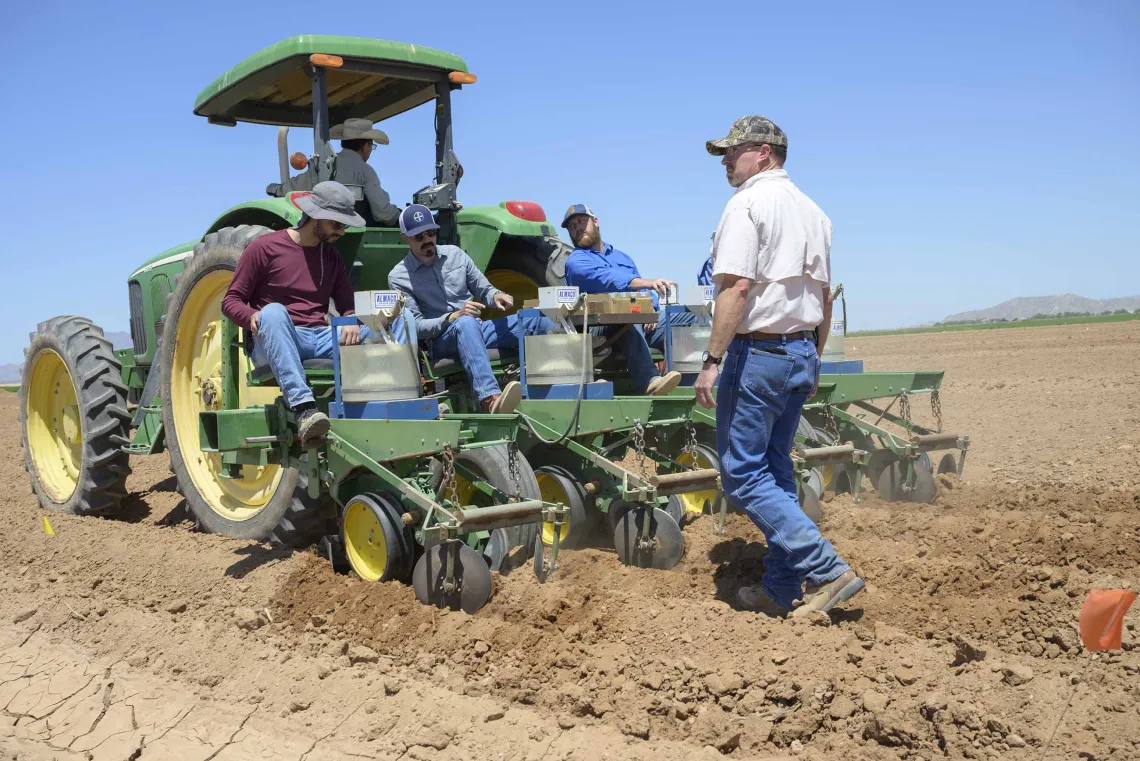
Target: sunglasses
[425, 235]
[337, 226]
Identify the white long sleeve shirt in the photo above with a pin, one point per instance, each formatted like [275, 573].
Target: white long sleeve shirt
[774, 235]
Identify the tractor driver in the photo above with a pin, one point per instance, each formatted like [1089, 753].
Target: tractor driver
[280, 293]
[357, 137]
[597, 267]
[441, 284]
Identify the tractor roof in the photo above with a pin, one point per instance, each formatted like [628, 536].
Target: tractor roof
[272, 86]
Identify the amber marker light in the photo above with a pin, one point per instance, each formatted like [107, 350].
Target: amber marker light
[298, 161]
[328, 61]
[462, 77]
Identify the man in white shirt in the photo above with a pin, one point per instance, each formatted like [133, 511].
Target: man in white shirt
[357, 136]
[771, 265]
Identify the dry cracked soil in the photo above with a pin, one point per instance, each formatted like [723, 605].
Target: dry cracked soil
[138, 638]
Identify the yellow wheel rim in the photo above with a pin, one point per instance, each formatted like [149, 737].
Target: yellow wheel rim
[825, 473]
[517, 284]
[364, 541]
[195, 386]
[694, 501]
[551, 490]
[54, 425]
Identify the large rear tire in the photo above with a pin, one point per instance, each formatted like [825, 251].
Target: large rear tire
[268, 503]
[493, 465]
[520, 266]
[73, 410]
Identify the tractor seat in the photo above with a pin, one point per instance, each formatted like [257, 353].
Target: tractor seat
[263, 373]
[452, 366]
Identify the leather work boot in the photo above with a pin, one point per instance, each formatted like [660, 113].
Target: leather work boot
[312, 424]
[505, 402]
[826, 596]
[755, 598]
[663, 385]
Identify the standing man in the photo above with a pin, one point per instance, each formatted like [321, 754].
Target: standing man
[771, 265]
[441, 284]
[280, 293]
[357, 137]
[597, 267]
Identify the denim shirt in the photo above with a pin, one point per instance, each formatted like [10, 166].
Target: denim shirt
[433, 291]
[607, 271]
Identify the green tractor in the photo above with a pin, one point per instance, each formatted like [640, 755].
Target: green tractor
[414, 482]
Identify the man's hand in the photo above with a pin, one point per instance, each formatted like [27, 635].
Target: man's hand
[706, 382]
[504, 300]
[350, 335]
[660, 284]
[253, 322]
[470, 309]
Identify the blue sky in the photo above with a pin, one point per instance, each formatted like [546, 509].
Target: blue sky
[966, 152]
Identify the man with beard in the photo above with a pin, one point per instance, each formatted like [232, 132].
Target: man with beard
[597, 267]
[280, 294]
[772, 267]
[445, 293]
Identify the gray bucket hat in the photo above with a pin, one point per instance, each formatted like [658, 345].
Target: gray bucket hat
[748, 129]
[357, 129]
[330, 200]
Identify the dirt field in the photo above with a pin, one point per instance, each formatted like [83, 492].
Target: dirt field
[138, 638]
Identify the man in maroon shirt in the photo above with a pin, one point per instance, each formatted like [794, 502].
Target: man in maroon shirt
[281, 290]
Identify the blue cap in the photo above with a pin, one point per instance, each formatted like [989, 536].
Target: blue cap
[575, 210]
[416, 219]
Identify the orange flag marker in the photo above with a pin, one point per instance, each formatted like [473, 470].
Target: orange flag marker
[47, 527]
[1102, 617]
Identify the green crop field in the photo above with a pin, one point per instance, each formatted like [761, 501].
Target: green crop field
[997, 325]
[13, 387]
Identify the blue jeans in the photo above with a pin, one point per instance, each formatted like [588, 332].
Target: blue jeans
[284, 346]
[656, 338]
[763, 387]
[468, 338]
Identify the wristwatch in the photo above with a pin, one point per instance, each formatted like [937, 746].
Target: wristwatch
[709, 359]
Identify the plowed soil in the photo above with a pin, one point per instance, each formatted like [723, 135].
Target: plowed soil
[140, 638]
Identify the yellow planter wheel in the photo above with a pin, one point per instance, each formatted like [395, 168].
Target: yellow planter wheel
[378, 546]
[707, 500]
[73, 432]
[559, 485]
[267, 502]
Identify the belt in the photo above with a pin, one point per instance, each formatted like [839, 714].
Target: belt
[759, 335]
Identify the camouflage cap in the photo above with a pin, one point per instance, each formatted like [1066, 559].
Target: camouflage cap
[748, 129]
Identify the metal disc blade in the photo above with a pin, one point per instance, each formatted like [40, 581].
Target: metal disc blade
[472, 578]
[676, 509]
[648, 538]
[811, 505]
[947, 464]
[496, 549]
[539, 566]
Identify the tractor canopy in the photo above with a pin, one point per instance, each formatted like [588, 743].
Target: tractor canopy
[366, 78]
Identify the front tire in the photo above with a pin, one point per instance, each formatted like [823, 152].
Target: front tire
[73, 409]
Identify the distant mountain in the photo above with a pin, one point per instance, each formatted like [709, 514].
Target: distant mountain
[12, 373]
[1025, 307]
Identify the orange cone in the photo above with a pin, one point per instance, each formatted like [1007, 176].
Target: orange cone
[1102, 617]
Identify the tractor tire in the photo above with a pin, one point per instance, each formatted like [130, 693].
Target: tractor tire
[266, 504]
[74, 418]
[493, 464]
[520, 266]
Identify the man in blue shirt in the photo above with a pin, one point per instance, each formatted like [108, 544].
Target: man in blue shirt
[441, 284]
[597, 267]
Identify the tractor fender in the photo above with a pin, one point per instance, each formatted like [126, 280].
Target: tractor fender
[274, 213]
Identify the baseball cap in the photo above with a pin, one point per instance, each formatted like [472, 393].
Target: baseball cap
[416, 219]
[358, 129]
[330, 200]
[575, 210]
[748, 129]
